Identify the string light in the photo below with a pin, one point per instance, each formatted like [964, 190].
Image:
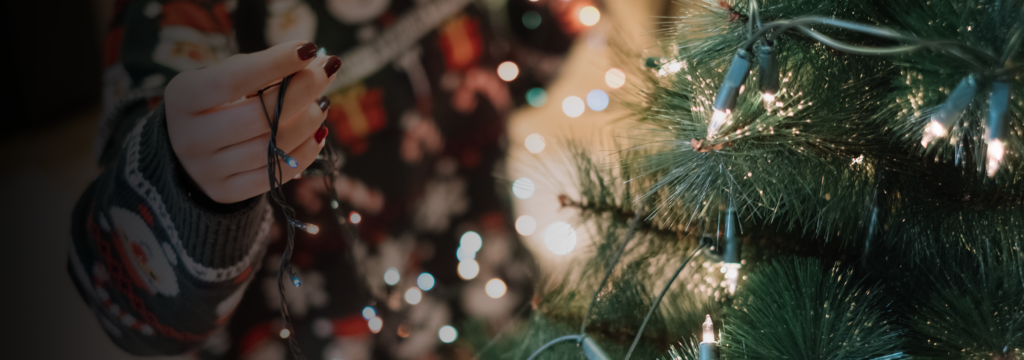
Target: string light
[369, 313]
[392, 276]
[531, 20]
[375, 324]
[468, 270]
[950, 110]
[614, 78]
[526, 225]
[597, 100]
[589, 15]
[998, 105]
[573, 106]
[769, 79]
[311, 229]
[535, 143]
[425, 281]
[413, 296]
[465, 254]
[495, 288]
[447, 334]
[536, 97]
[560, 238]
[725, 101]
[523, 188]
[471, 240]
[708, 348]
[508, 71]
[733, 247]
[355, 218]
[285, 333]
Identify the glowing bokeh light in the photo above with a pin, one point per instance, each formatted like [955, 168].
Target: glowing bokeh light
[464, 253]
[614, 78]
[468, 269]
[375, 324]
[526, 225]
[312, 229]
[448, 334]
[573, 106]
[425, 281]
[508, 71]
[285, 333]
[471, 241]
[369, 313]
[413, 296]
[392, 276]
[536, 97]
[531, 20]
[589, 16]
[355, 218]
[523, 188]
[597, 100]
[495, 288]
[560, 238]
[535, 143]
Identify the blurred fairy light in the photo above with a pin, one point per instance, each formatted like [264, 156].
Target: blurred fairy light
[425, 281]
[526, 225]
[597, 100]
[535, 143]
[334, 204]
[464, 253]
[560, 238]
[708, 330]
[994, 156]
[932, 131]
[447, 334]
[769, 100]
[495, 288]
[614, 78]
[589, 15]
[536, 97]
[285, 333]
[468, 270]
[391, 276]
[717, 121]
[573, 106]
[732, 274]
[369, 313]
[523, 188]
[375, 324]
[354, 217]
[670, 68]
[531, 20]
[472, 241]
[312, 229]
[508, 71]
[413, 296]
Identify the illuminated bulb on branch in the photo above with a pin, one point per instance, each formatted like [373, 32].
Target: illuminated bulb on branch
[725, 101]
[769, 80]
[998, 104]
[708, 347]
[950, 110]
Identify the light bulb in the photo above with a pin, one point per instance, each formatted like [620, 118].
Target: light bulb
[732, 274]
[312, 229]
[717, 121]
[994, 156]
[933, 131]
[709, 330]
[769, 100]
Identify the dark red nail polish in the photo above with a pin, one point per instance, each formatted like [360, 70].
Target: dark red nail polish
[332, 65]
[324, 103]
[321, 133]
[307, 51]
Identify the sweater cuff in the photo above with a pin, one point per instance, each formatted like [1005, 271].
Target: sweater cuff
[221, 243]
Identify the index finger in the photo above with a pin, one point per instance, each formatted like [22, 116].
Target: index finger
[242, 74]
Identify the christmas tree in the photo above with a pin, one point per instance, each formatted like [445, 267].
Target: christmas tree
[810, 179]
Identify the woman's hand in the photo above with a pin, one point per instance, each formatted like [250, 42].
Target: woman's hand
[221, 140]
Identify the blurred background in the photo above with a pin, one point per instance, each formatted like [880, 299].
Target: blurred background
[51, 106]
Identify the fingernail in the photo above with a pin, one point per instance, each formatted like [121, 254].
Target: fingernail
[332, 65]
[320, 135]
[324, 103]
[307, 51]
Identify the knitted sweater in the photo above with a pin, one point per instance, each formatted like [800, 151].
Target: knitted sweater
[167, 270]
